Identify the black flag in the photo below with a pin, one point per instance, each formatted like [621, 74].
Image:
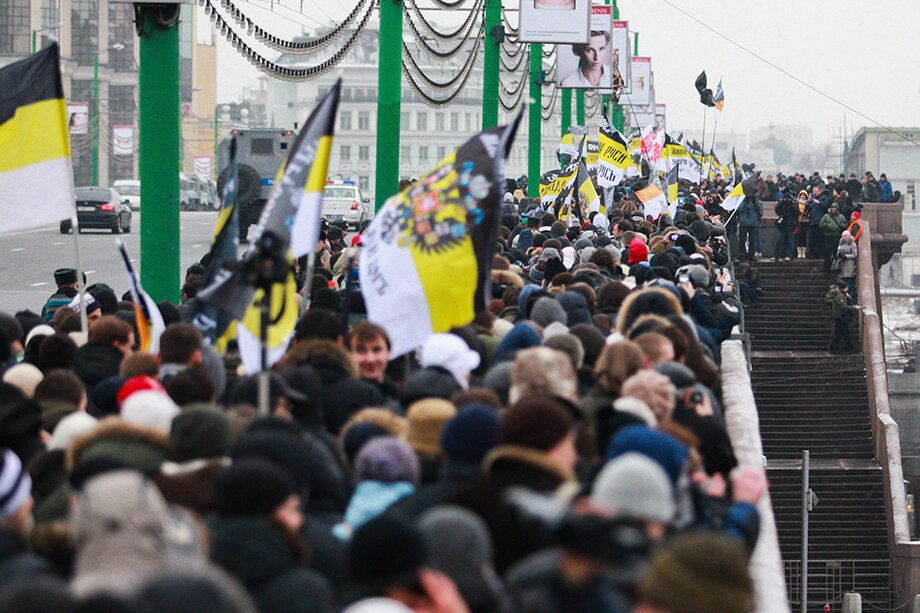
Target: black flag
[705, 93]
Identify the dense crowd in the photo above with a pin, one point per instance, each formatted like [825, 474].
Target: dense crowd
[565, 451]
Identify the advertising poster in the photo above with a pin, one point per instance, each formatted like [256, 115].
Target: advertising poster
[640, 93]
[588, 66]
[78, 117]
[622, 52]
[123, 140]
[555, 21]
[661, 118]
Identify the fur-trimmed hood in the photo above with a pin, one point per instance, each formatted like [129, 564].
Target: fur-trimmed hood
[143, 448]
[507, 277]
[653, 300]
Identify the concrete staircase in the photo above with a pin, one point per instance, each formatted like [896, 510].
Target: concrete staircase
[810, 399]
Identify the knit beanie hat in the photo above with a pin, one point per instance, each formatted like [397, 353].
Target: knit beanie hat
[386, 550]
[426, 419]
[576, 308]
[150, 409]
[356, 436]
[200, 432]
[538, 422]
[635, 487]
[70, 427]
[699, 572]
[15, 484]
[547, 311]
[638, 251]
[138, 384]
[24, 376]
[469, 435]
[450, 352]
[387, 459]
[252, 487]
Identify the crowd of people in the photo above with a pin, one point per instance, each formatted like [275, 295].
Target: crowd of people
[565, 451]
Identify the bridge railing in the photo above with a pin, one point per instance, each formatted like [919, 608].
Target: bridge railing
[743, 424]
[905, 554]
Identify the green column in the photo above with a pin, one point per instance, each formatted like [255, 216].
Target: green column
[636, 45]
[535, 123]
[566, 109]
[389, 94]
[580, 107]
[158, 104]
[490, 66]
[96, 121]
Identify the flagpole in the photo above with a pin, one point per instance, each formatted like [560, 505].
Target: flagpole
[81, 286]
[714, 128]
[308, 282]
[264, 316]
[703, 144]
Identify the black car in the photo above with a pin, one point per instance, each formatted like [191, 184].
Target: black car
[100, 208]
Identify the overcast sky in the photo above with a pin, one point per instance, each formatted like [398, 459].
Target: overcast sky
[862, 53]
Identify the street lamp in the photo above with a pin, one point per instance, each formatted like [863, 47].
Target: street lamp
[40, 30]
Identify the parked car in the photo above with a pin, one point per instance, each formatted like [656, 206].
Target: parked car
[130, 190]
[343, 200]
[100, 208]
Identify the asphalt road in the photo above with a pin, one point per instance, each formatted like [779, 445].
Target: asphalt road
[28, 259]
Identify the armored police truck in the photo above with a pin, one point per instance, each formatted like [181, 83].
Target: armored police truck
[259, 154]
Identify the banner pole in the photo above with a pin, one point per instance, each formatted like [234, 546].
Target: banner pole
[535, 121]
[389, 100]
[490, 65]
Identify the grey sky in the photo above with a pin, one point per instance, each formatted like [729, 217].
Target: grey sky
[862, 53]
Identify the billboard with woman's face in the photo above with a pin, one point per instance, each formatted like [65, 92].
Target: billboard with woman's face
[555, 21]
[590, 65]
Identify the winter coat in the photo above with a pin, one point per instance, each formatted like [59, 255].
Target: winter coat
[838, 302]
[191, 484]
[259, 557]
[750, 212]
[787, 212]
[535, 585]
[833, 225]
[847, 253]
[141, 448]
[885, 190]
[504, 467]
[817, 208]
[94, 362]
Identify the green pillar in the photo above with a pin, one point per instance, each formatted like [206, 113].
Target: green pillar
[490, 65]
[96, 121]
[566, 109]
[535, 124]
[158, 104]
[389, 94]
[580, 107]
[636, 45]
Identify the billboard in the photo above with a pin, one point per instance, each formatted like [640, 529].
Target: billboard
[640, 93]
[622, 52]
[78, 117]
[661, 113]
[555, 21]
[588, 66]
[123, 140]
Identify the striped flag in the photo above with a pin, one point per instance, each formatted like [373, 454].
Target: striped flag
[734, 198]
[719, 99]
[147, 316]
[290, 225]
[427, 255]
[36, 178]
[653, 201]
[614, 161]
[211, 321]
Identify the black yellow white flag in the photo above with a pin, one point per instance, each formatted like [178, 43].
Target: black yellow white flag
[36, 179]
[614, 161]
[427, 255]
[653, 201]
[290, 217]
[734, 198]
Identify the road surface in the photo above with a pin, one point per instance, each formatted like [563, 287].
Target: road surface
[28, 259]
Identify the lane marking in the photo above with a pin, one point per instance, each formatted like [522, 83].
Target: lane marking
[89, 272]
[38, 284]
[196, 246]
[56, 244]
[18, 249]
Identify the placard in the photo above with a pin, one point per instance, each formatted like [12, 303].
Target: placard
[555, 21]
[621, 52]
[588, 66]
[78, 117]
[640, 93]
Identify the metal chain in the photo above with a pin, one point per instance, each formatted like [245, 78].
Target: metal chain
[288, 46]
[444, 55]
[474, 12]
[444, 85]
[514, 68]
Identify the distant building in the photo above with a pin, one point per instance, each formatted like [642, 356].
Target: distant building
[879, 150]
[427, 134]
[797, 138]
[91, 32]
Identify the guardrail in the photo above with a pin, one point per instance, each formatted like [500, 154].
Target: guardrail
[905, 554]
[766, 566]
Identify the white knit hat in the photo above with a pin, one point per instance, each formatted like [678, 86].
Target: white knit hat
[15, 485]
